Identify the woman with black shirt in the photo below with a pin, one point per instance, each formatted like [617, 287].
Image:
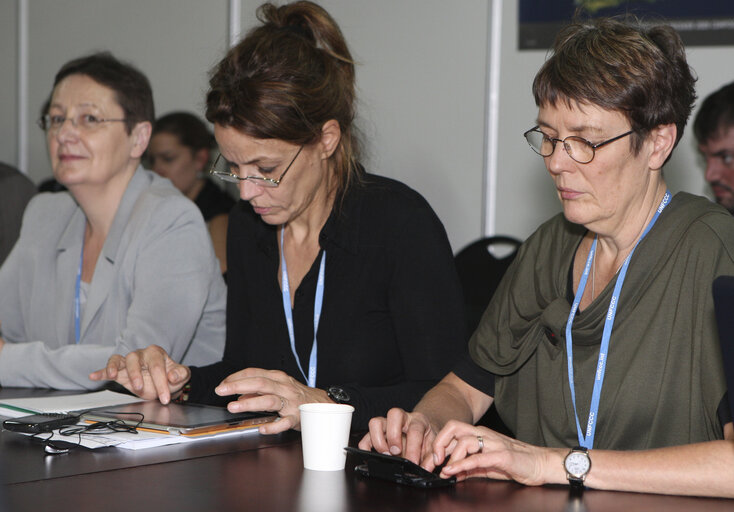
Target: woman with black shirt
[342, 286]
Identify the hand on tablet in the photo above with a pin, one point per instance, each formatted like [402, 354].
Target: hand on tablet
[149, 373]
[270, 390]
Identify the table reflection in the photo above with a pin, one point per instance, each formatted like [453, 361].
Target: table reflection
[322, 491]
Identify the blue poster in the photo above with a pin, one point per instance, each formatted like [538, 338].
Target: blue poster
[702, 23]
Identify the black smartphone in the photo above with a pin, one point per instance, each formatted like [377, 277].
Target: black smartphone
[397, 469]
[39, 423]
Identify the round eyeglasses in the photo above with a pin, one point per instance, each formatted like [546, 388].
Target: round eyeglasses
[578, 148]
[227, 171]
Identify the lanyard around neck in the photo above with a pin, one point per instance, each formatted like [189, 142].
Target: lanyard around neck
[288, 309]
[587, 440]
[77, 299]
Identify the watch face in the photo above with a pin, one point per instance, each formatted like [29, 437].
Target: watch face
[338, 394]
[577, 464]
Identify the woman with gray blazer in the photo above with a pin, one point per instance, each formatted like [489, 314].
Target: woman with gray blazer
[121, 261]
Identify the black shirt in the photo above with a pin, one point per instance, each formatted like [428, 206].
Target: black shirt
[213, 201]
[392, 322]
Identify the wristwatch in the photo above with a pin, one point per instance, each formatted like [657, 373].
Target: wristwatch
[577, 464]
[337, 394]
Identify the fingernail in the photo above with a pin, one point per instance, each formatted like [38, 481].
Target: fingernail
[435, 459]
[138, 384]
[395, 450]
[220, 390]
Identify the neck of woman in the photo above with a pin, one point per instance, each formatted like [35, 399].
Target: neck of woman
[305, 227]
[613, 248]
[193, 192]
[99, 200]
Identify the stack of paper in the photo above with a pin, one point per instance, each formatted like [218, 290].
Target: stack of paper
[18, 407]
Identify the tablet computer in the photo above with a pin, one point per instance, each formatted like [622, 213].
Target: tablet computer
[181, 419]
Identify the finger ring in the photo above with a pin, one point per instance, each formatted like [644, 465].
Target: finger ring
[282, 404]
[481, 443]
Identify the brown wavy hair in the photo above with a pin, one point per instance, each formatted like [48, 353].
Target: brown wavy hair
[620, 65]
[286, 79]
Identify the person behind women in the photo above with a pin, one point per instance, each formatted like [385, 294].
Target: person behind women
[631, 376]
[714, 131]
[180, 149]
[16, 190]
[120, 261]
[341, 284]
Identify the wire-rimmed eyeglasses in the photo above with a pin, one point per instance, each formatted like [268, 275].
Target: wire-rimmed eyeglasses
[578, 148]
[231, 177]
[87, 122]
[55, 446]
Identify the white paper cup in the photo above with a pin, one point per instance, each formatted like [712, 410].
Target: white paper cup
[324, 435]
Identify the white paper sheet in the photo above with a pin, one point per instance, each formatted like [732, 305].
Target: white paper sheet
[140, 441]
[17, 407]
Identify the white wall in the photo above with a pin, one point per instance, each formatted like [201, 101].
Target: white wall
[421, 76]
[8, 98]
[525, 195]
[174, 42]
[421, 68]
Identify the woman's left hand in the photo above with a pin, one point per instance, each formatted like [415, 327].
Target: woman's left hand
[481, 452]
[270, 390]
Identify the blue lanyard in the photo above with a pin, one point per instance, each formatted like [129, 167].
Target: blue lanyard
[588, 440]
[318, 302]
[77, 299]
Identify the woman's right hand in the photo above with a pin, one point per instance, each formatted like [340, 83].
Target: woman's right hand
[149, 373]
[407, 434]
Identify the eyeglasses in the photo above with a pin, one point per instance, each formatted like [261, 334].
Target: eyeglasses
[231, 177]
[86, 122]
[54, 446]
[578, 148]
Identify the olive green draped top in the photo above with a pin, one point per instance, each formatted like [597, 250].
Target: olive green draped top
[664, 378]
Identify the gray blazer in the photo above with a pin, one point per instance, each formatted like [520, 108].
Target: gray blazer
[157, 281]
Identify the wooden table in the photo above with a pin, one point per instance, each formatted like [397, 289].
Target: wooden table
[264, 474]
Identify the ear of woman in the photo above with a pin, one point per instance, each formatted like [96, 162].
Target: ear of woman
[201, 158]
[663, 139]
[330, 136]
[141, 136]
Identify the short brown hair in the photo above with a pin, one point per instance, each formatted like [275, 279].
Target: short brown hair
[131, 87]
[619, 65]
[716, 114]
[286, 79]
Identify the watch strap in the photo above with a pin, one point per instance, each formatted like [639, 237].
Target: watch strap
[338, 394]
[577, 482]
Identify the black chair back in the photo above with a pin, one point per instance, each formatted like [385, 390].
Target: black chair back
[480, 272]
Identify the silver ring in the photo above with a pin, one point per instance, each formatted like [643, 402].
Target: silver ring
[481, 443]
[282, 404]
